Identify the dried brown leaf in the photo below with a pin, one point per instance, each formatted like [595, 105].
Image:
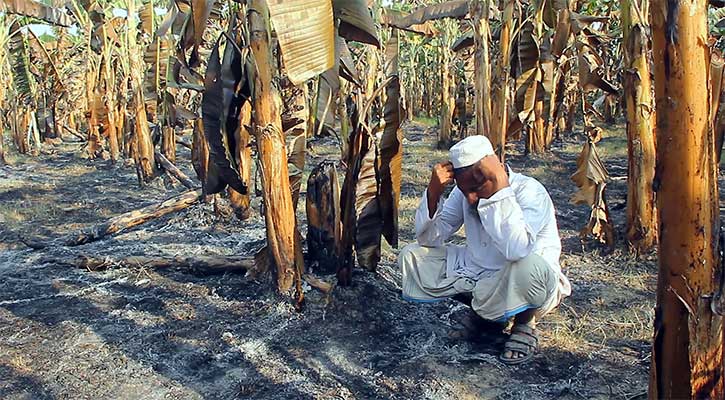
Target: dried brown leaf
[305, 30]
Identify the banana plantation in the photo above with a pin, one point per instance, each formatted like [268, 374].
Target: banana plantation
[268, 199]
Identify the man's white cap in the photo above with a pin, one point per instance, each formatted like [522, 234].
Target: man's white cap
[470, 150]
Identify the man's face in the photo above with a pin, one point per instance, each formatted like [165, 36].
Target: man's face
[475, 182]
[470, 182]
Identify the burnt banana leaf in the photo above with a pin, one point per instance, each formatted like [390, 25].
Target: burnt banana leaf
[347, 64]
[391, 144]
[359, 206]
[356, 22]
[463, 42]
[450, 9]
[368, 218]
[195, 14]
[220, 107]
[391, 17]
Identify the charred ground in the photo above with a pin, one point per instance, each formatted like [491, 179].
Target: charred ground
[140, 333]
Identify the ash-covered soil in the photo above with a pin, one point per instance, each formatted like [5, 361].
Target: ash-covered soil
[138, 333]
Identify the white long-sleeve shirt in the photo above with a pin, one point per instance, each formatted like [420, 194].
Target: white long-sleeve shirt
[514, 222]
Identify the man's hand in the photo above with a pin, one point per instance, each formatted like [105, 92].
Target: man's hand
[440, 178]
[494, 175]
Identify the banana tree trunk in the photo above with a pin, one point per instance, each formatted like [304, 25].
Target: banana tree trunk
[641, 211]
[168, 143]
[501, 88]
[536, 137]
[94, 146]
[447, 99]
[482, 69]
[15, 128]
[413, 95]
[110, 105]
[3, 161]
[143, 146]
[278, 209]
[687, 350]
[551, 117]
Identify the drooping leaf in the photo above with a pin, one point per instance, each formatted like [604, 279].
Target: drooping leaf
[156, 58]
[168, 21]
[327, 92]
[356, 22]
[347, 64]
[146, 19]
[183, 77]
[328, 89]
[546, 63]
[552, 9]
[450, 9]
[600, 223]
[562, 33]
[591, 179]
[581, 21]
[42, 54]
[186, 114]
[391, 144]
[526, 94]
[591, 70]
[368, 227]
[19, 63]
[195, 22]
[360, 212]
[305, 30]
[390, 18]
[463, 42]
[182, 18]
[35, 9]
[220, 86]
[528, 50]
[590, 172]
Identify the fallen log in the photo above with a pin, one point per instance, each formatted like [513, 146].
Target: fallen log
[174, 171]
[75, 133]
[209, 265]
[122, 222]
[202, 265]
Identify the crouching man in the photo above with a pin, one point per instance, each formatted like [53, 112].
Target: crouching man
[509, 266]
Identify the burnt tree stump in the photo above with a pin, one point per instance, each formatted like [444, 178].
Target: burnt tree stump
[323, 217]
